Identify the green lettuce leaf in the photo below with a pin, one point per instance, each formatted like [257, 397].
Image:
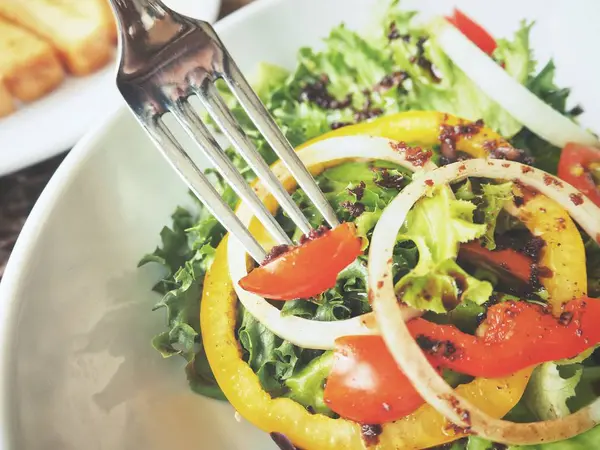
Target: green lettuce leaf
[186, 253]
[307, 386]
[458, 95]
[490, 199]
[548, 391]
[438, 283]
[271, 358]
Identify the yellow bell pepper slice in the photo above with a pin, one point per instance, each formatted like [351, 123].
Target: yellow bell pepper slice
[425, 427]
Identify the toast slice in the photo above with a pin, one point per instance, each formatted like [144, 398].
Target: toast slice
[29, 66]
[109, 19]
[80, 39]
[7, 105]
[99, 10]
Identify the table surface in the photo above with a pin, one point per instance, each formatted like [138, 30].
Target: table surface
[19, 191]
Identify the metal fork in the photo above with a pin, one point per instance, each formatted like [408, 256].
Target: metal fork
[165, 58]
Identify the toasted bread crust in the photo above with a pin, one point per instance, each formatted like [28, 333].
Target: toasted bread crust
[28, 65]
[80, 38]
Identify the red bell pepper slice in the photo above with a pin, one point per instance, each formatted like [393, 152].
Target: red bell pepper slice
[308, 269]
[506, 260]
[475, 32]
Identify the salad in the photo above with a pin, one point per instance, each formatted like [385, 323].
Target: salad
[456, 304]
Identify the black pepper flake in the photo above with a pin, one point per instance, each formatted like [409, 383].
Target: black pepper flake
[385, 179]
[370, 433]
[314, 234]
[518, 201]
[393, 32]
[358, 191]
[355, 209]
[275, 252]
[577, 199]
[565, 318]
[533, 247]
[449, 135]
[423, 62]
[394, 79]
[498, 150]
[445, 349]
[317, 93]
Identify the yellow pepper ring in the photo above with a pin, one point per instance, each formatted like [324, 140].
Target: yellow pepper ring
[425, 427]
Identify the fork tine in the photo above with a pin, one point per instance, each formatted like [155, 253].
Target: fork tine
[269, 129]
[192, 124]
[221, 114]
[202, 187]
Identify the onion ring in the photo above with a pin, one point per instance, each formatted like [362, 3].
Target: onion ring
[516, 99]
[299, 331]
[406, 351]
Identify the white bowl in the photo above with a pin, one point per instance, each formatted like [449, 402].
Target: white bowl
[77, 369]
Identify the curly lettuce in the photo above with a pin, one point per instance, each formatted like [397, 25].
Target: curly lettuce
[437, 225]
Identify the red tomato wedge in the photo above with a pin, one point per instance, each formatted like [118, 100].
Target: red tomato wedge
[505, 261]
[475, 32]
[308, 269]
[365, 384]
[574, 168]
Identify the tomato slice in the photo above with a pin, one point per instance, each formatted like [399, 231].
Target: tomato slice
[308, 269]
[574, 168]
[365, 384]
[505, 262]
[475, 32]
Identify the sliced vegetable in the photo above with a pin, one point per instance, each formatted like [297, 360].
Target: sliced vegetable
[398, 338]
[308, 269]
[576, 167]
[506, 261]
[475, 32]
[515, 98]
[517, 335]
[365, 384]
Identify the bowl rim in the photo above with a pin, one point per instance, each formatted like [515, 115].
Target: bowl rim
[27, 241]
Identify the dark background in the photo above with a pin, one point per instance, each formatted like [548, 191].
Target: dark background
[19, 191]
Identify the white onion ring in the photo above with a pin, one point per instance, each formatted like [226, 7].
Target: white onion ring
[407, 353]
[303, 332]
[512, 96]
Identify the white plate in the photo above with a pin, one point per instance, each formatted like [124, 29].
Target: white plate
[77, 370]
[54, 123]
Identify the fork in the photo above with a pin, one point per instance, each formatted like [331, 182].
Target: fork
[165, 58]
